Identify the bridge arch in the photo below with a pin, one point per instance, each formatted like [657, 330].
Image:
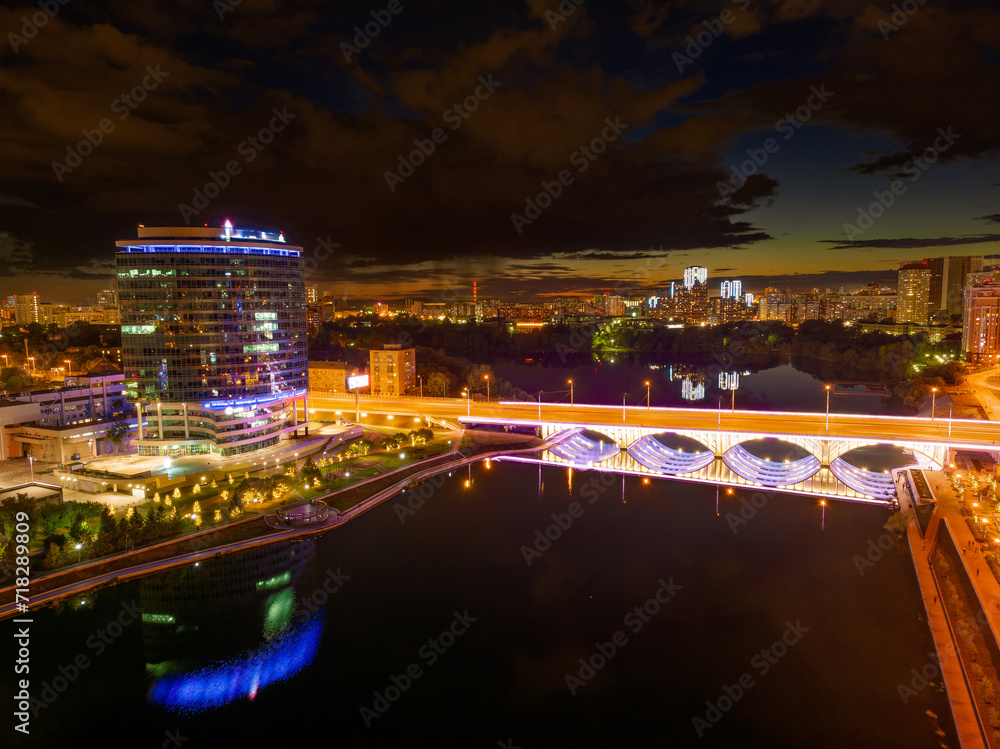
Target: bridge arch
[743, 460]
[671, 454]
[586, 447]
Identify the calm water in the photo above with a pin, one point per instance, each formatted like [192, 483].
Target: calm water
[771, 388]
[240, 662]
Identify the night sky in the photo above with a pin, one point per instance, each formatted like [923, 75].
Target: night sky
[835, 99]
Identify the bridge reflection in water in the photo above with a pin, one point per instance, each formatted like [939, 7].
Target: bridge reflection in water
[796, 465]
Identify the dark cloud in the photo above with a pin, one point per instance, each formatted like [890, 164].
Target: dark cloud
[909, 243]
[654, 184]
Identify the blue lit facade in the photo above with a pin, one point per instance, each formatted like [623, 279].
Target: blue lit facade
[213, 337]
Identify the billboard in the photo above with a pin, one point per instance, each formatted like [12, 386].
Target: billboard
[358, 381]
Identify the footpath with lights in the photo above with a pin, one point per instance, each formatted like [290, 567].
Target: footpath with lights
[971, 720]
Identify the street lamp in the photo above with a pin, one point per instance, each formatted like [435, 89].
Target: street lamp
[487, 388]
[31, 465]
[419, 377]
[468, 401]
[540, 406]
[32, 360]
[570, 391]
[78, 547]
[933, 398]
[827, 408]
[623, 407]
[69, 368]
[6, 363]
[647, 395]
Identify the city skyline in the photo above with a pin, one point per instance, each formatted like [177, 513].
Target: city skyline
[523, 146]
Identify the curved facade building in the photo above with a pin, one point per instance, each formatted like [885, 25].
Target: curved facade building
[213, 337]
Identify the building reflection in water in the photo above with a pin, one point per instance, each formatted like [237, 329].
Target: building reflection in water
[226, 628]
[693, 380]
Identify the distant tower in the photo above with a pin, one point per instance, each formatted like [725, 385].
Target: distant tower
[695, 274]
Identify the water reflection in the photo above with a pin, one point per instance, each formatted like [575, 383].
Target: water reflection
[222, 630]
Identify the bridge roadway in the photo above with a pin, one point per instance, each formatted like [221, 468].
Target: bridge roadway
[955, 433]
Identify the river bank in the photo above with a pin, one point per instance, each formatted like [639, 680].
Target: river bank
[250, 533]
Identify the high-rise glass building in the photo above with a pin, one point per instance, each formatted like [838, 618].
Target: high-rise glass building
[695, 274]
[213, 337]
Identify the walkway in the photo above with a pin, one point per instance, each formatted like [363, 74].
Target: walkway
[986, 587]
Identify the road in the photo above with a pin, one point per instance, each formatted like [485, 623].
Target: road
[961, 433]
[981, 383]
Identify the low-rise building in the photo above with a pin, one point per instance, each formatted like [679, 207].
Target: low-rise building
[330, 376]
[393, 369]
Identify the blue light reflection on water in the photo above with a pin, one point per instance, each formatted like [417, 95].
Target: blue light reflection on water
[217, 685]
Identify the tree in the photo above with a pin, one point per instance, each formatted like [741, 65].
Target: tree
[437, 383]
[252, 491]
[309, 473]
[898, 522]
[118, 432]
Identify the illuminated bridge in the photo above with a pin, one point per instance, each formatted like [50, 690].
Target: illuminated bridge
[804, 453]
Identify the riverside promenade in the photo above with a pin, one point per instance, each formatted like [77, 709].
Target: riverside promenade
[278, 532]
[971, 726]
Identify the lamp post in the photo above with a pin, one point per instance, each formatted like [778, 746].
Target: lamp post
[570, 392]
[623, 407]
[540, 406]
[933, 398]
[827, 408]
[69, 368]
[6, 363]
[31, 465]
[32, 360]
[733, 406]
[823, 525]
[647, 395]
[419, 377]
[487, 388]
[78, 547]
[468, 401]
